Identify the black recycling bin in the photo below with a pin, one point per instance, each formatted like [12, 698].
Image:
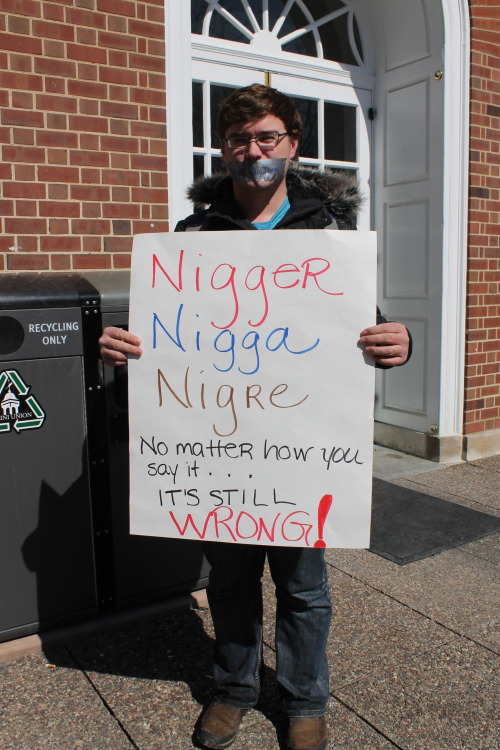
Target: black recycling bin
[48, 380]
[65, 549]
[146, 569]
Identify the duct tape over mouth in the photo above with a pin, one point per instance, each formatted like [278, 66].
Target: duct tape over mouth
[264, 170]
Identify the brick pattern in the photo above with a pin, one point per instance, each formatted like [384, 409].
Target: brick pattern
[82, 131]
[83, 147]
[482, 385]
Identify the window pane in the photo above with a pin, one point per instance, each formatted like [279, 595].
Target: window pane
[198, 165]
[219, 26]
[217, 94]
[198, 114]
[308, 109]
[223, 29]
[217, 165]
[198, 10]
[357, 38]
[303, 45]
[236, 9]
[275, 10]
[295, 19]
[335, 41]
[340, 132]
[321, 8]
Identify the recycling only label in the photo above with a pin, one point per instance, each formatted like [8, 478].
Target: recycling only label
[19, 410]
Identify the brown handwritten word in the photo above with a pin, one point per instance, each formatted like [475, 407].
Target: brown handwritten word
[226, 396]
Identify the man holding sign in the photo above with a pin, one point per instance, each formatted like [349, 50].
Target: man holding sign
[259, 129]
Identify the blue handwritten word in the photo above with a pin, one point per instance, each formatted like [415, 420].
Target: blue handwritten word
[225, 343]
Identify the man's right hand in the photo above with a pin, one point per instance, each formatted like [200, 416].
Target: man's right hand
[117, 345]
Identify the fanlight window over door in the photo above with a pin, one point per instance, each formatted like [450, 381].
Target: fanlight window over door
[324, 29]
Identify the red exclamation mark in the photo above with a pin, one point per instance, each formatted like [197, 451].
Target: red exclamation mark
[324, 506]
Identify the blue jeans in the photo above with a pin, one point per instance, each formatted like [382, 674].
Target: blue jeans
[302, 624]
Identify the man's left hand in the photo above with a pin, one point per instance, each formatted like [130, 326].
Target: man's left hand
[387, 343]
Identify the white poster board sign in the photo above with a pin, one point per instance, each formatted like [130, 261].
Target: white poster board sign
[251, 408]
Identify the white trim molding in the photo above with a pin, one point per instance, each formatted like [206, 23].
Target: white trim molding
[455, 213]
[179, 98]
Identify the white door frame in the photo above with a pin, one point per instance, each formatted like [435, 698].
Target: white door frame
[455, 213]
[455, 177]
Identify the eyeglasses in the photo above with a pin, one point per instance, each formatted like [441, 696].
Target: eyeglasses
[265, 141]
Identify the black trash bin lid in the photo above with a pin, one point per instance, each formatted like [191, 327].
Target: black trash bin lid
[27, 291]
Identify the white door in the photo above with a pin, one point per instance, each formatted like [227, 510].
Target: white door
[409, 149]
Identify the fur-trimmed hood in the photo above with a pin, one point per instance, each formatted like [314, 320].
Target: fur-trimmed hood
[337, 190]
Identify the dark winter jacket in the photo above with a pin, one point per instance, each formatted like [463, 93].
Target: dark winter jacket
[317, 200]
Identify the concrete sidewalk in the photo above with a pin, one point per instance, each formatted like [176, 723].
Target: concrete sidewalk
[414, 653]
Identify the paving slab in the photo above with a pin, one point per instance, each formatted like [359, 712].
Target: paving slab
[155, 675]
[458, 590]
[348, 731]
[371, 631]
[464, 481]
[156, 713]
[53, 707]
[493, 539]
[162, 713]
[445, 700]
[389, 464]
[443, 494]
[487, 548]
[491, 463]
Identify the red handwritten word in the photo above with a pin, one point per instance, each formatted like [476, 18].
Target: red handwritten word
[255, 279]
[225, 524]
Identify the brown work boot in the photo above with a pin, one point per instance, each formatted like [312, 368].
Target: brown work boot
[219, 725]
[308, 733]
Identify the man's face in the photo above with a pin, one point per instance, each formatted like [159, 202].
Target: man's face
[284, 149]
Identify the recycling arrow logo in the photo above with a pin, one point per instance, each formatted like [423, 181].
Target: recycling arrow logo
[18, 410]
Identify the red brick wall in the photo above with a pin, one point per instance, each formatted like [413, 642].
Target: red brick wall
[482, 391]
[83, 147]
[82, 131]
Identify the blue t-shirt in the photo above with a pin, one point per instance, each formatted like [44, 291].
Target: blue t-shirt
[274, 219]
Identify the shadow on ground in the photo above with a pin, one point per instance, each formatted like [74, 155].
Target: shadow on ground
[171, 648]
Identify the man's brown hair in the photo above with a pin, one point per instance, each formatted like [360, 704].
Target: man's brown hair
[254, 102]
